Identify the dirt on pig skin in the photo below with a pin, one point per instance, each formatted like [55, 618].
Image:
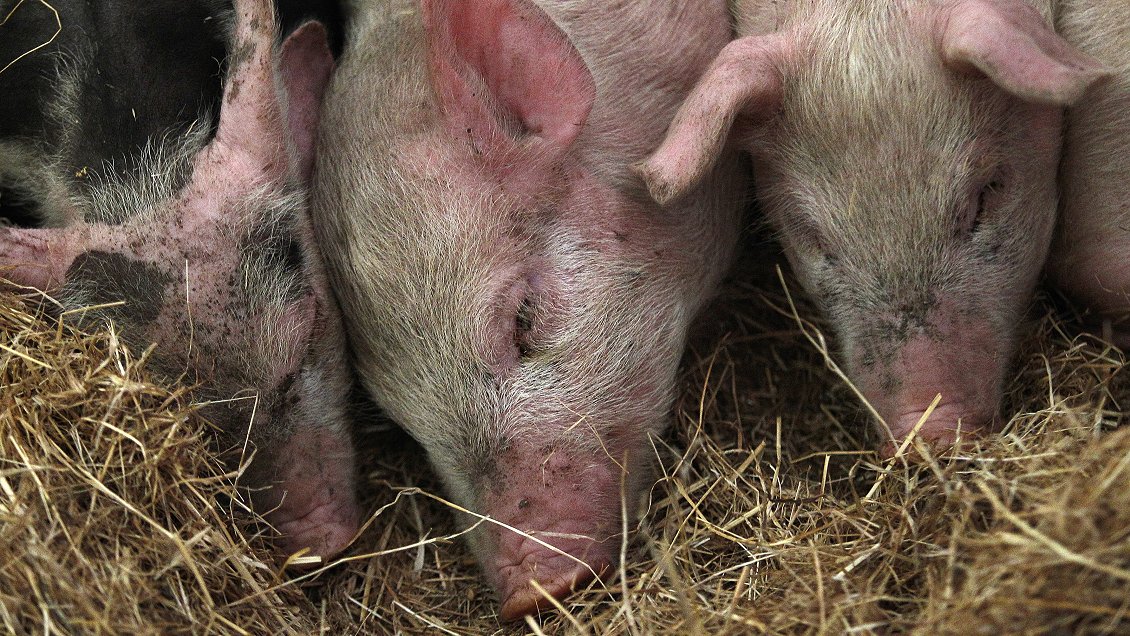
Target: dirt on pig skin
[204, 252]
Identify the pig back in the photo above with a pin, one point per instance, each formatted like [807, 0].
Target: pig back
[111, 80]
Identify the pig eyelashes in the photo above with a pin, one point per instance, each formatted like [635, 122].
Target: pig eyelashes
[516, 332]
[808, 236]
[983, 199]
[523, 325]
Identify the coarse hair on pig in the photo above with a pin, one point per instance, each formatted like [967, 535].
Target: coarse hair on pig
[906, 152]
[30, 191]
[831, 105]
[513, 298]
[163, 166]
[105, 194]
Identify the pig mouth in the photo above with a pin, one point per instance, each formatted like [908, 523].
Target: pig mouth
[539, 574]
[948, 427]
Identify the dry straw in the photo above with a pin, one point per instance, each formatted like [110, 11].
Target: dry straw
[769, 512]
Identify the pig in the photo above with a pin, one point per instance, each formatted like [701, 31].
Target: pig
[204, 246]
[123, 104]
[511, 295]
[1091, 250]
[905, 152]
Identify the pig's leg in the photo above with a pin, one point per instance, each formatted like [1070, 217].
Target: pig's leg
[40, 258]
[1092, 264]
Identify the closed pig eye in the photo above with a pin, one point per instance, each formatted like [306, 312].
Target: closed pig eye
[807, 235]
[523, 328]
[511, 331]
[979, 204]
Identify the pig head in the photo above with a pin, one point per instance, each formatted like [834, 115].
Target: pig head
[906, 152]
[207, 251]
[1090, 257]
[513, 298]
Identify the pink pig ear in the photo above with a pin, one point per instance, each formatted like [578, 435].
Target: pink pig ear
[39, 258]
[253, 142]
[306, 67]
[745, 78]
[503, 71]
[251, 116]
[1011, 43]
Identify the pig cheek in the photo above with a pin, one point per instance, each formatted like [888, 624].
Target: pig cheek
[299, 329]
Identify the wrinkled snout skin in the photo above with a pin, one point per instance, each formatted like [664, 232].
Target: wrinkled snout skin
[906, 152]
[513, 297]
[198, 243]
[1090, 257]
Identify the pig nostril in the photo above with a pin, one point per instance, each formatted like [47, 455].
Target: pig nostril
[525, 503]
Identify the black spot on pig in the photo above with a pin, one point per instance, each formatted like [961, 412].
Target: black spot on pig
[286, 254]
[97, 278]
[121, 105]
[18, 207]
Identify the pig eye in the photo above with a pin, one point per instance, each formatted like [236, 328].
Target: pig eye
[971, 222]
[524, 321]
[523, 325]
[810, 236]
[513, 327]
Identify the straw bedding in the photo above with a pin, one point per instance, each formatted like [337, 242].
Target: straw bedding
[769, 512]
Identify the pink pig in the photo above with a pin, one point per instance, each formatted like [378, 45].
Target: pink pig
[906, 151]
[1090, 256]
[513, 297]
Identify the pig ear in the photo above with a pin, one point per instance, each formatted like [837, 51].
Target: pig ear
[306, 67]
[252, 142]
[1013, 45]
[38, 258]
[252, 125]
[503, 71]
[745, 79]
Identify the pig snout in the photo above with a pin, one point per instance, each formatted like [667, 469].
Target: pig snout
[564, 511]
[575, 559]
[312, 503]
[958, 360]
[947, 424]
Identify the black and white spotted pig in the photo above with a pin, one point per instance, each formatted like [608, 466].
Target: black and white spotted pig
[122, 185]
